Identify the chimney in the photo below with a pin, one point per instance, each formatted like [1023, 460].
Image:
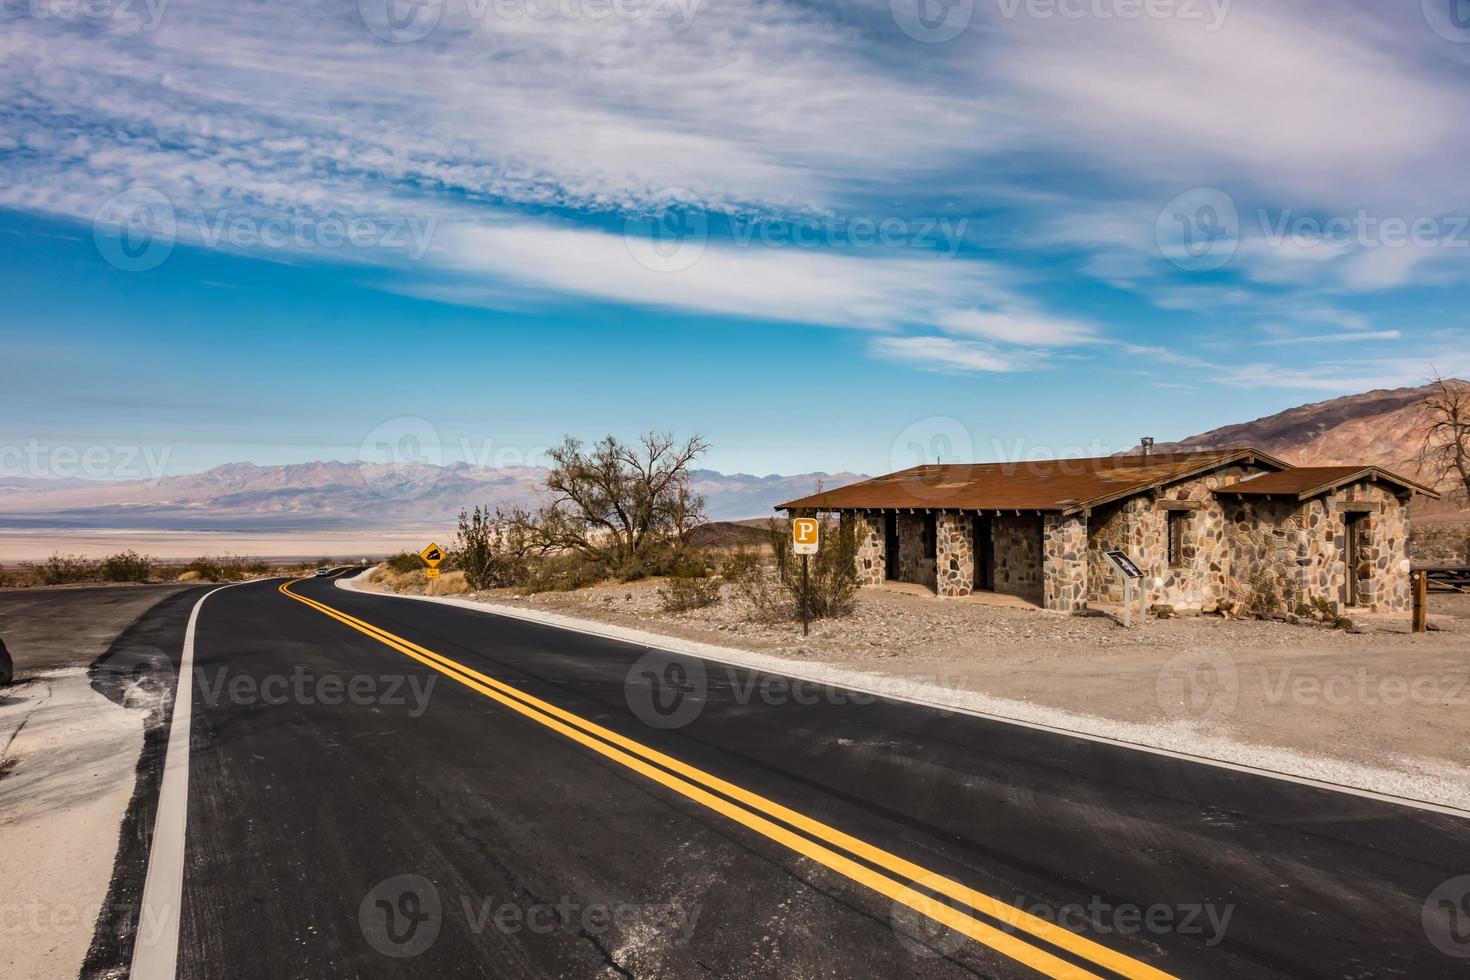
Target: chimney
[1148, 445]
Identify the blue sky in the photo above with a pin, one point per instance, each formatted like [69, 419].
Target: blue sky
[833, 237]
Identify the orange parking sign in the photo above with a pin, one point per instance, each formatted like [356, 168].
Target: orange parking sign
[805, 533]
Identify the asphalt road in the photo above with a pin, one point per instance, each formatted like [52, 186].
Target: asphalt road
[383, 787]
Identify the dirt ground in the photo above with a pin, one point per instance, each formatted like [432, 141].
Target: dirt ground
[1380, 697]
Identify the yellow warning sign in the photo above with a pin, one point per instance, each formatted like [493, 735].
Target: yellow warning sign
[432, 556]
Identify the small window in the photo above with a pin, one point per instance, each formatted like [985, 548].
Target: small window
[1178, 521]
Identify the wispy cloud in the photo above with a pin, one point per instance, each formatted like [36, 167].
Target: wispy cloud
[1017, 328]
[527, 142]
[1325, 338]
[952, 356]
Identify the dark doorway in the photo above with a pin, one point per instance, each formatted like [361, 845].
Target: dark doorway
[984, 554]
[890, 547]
[1352, 556]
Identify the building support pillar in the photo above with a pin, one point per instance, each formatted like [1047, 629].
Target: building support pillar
[1064, 562]
[872, 550]
[955, 554]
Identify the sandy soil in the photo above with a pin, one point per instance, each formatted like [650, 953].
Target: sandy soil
[1382, 697]
[68, 758]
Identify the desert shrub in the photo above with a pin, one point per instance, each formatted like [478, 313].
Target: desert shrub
[751, 575]
[493, 549]
[226, 568]
[690, 584]
[685, 592]
[740, 563]
[833, 576]
[404, 561]
[206, 568]
[563, 573]
[126, 566]
[772, 586]
[66, 569]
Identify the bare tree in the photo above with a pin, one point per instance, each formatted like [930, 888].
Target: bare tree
[1446, 449]
[618, 503]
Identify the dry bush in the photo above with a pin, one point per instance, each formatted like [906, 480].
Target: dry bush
[562, 573]
[833, 584]
[404, 561]
[772, 585]
[127, 566]
[495, 549]
[227, 568]
[400, 581]
[690, 584]
[65, 570]
[450, 583]
[752, 575]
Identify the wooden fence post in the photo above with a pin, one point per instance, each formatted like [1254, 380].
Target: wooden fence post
[1421, 601]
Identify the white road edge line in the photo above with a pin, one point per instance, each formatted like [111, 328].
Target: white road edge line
[156, 932]
[772, 665]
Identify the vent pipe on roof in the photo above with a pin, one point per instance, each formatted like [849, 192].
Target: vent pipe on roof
[1148, 444]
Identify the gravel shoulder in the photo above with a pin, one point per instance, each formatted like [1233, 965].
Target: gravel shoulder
[1381, 708]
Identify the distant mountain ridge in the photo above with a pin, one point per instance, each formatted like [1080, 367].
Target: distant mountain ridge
[334, 495]
[1385, 428]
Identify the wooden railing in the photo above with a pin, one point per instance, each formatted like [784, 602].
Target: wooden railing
[1446, 578]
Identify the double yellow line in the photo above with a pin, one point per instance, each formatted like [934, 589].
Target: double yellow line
[760, 815]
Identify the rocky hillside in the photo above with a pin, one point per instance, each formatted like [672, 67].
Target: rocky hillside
[1381, 427]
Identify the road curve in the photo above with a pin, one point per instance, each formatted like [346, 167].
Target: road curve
[379, 787]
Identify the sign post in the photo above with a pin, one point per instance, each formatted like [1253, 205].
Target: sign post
[1132, 578]
[433, 555]
[805, 535]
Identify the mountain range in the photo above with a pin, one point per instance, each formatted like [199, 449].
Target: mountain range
[335, 495]
[1386, 428]
[1380, 427]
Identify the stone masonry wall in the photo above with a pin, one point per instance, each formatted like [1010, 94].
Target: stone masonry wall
[1269, 540]
[1383, 571]
[1017, 546]
[1204, 576]
[1300, 548]
[872, 552]
[1108, 529]
[1065, 564]
[913, 566]
[956, 554]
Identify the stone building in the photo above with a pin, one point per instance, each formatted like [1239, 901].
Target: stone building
[1202, 527]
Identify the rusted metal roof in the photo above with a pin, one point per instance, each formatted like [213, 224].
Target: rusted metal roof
[1303, 482]
[1065, 485]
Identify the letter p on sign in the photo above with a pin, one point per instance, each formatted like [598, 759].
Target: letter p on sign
[804, 533]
